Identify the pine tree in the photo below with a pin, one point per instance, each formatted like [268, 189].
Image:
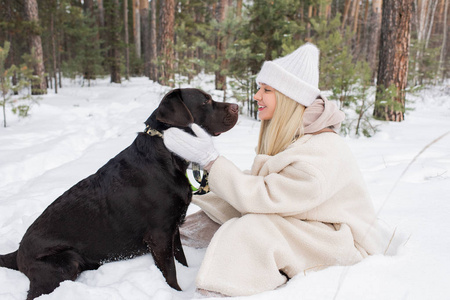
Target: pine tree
[221, 45]
[393, 60]
[84, 57]
[153, 69]
[167, 19]
[5, 79]
[364, 100]
[270, 22]
[126, 40]
[113, 38]
[145, 24]
[10, 88]
[31, 12]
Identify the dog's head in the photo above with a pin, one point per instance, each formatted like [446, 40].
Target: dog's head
[182, 107]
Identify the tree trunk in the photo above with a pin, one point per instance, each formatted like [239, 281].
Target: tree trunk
[424, 15]
[345, 16]
[153, 44]
[101, 13]
[52, 32]
[143, 12]
[355, 13]
[239, 9]
[88, 71]
[393, 62]
[59, 61]
[362, 33]
[137, 28]
[220, 78]
[31, 12]
[113, 28]
[126, 39]
[88, 5]
[431, 23]
[356, 45]
[167, 21]
[444, 44]
[308, 25]
[374, 37]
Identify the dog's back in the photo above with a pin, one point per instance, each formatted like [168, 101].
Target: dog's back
[105, 216]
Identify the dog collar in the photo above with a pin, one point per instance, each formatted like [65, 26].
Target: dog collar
[153, 132]
[202, 180]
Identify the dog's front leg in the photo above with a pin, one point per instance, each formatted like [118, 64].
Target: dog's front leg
[160, 244]
[178, 248]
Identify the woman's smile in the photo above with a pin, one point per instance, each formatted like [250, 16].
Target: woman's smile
[267, 101]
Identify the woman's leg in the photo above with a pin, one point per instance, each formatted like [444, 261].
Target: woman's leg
[257, 252]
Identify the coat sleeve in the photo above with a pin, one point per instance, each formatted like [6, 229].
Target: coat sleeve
[291, 191]
[216, 208]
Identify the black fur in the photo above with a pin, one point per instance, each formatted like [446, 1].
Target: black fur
[132, 205]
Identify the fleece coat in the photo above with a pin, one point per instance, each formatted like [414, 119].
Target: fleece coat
[303, 209]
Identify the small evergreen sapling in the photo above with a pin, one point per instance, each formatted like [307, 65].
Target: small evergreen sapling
[20, 104]
[5, 80]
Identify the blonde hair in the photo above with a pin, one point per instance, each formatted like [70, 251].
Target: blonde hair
[286, 126]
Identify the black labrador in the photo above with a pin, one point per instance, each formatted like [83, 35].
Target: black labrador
[133, 205]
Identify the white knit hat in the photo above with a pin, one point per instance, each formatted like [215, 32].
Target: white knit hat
[295, 75]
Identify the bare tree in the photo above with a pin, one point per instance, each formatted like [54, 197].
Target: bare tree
[393, 62]
[424, 20]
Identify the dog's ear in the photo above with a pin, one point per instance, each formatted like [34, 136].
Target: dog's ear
[173, 111]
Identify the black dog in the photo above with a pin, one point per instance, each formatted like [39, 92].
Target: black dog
[133, 205]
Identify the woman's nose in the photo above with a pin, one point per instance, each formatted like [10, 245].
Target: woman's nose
[257, 96]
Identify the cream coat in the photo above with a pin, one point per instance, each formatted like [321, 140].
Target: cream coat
[303, 209]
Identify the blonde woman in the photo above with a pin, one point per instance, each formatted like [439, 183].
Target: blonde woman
[302, 207]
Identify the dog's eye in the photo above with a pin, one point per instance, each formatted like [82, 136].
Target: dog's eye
[208, 101]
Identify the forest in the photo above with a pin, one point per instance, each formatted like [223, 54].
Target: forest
[390, 46]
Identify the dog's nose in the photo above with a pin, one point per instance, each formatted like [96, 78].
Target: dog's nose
[234, 108]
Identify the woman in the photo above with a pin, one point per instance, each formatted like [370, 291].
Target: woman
[304, 205]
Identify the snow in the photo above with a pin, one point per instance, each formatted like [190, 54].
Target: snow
[69, 135]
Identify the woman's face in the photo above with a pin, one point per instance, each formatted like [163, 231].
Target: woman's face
[267, 101]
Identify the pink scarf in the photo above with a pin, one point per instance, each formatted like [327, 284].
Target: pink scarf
[322, 114]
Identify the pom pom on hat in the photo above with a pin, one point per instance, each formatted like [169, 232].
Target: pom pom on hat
[296, 75]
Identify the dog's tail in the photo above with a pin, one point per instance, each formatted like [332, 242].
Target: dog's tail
[9, 261]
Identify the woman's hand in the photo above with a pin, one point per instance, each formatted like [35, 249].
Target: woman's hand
[199, 149]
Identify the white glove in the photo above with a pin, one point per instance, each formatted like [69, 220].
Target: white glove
[199, 149]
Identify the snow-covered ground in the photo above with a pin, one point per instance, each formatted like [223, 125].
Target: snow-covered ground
[73, 133]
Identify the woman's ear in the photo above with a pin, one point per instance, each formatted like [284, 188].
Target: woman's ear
[173, 111]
